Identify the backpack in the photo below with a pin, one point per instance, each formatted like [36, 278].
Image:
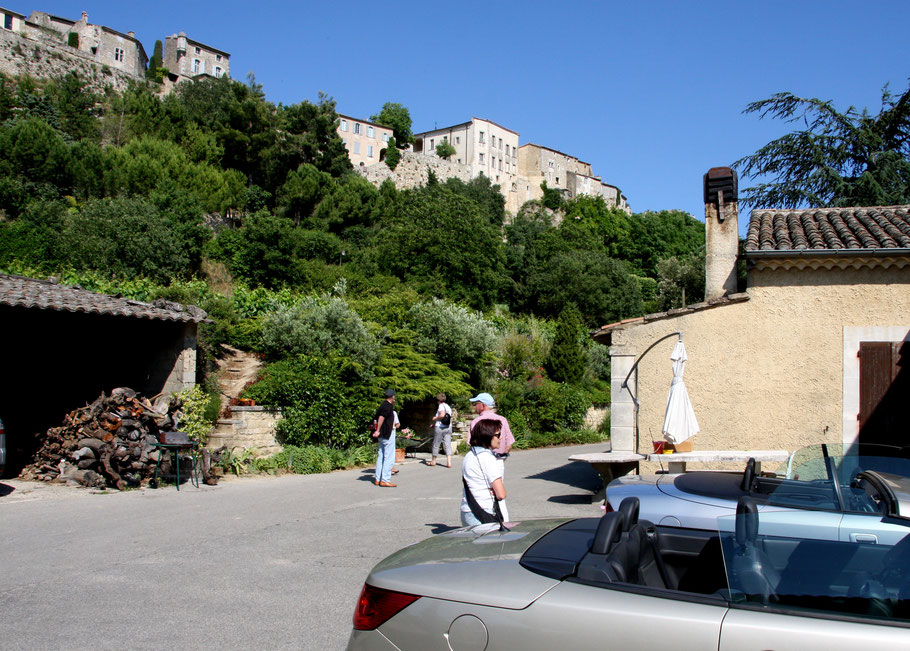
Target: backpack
[446, 420]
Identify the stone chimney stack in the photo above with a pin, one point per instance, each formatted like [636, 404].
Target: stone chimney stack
[721, 232]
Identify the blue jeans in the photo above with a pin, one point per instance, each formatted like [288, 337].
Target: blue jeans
[385, 459]
[468, 519]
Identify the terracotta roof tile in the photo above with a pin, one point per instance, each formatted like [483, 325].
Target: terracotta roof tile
[17, 291]
[872, 227]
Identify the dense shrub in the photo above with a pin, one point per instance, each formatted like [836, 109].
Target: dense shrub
[454, 334]
[317, 404]
[320, 327]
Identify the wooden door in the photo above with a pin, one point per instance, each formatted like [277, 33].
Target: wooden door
[884, 392]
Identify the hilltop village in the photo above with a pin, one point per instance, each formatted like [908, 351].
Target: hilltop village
[43, 46]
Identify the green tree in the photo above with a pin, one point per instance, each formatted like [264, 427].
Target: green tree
[392, 154]
[398, 117]
[153, 73]
[567, 358]
[445, 150]
[126, 238]
[441, 243]
[850, 158]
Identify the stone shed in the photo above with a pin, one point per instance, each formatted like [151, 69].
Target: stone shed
[63, 345]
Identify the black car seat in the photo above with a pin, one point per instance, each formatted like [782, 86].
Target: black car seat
[643, 534]
[595, 565]
[751, 570]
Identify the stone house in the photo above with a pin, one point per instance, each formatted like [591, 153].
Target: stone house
[486, 147]
[64, 345]
[815, 349]
[186, 58]
[366, 141]
[563, 172]
[12, 21]
[108, 47]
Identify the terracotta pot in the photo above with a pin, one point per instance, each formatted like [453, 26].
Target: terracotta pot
[399, 455]
[685, 446]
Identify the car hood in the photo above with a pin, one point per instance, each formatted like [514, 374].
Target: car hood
[477, 565]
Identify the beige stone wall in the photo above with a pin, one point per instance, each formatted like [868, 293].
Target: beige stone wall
[45, 57]
[769, 373]
[185, 57]
[248, 428]
[412, 171]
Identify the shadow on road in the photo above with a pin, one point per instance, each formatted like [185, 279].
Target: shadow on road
[575, 474]
[6, 489]
[581, 498]
[438, 527]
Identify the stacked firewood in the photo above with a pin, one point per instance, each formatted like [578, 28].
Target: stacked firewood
[108, 443]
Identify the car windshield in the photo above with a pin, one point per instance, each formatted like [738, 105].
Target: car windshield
[812, 472]
[798, 574]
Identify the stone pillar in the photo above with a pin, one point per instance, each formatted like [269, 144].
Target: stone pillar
[622, 409]
[721, 232]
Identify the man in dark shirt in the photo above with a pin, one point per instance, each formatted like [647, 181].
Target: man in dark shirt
[385, 435]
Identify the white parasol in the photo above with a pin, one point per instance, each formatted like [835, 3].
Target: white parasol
[679, 422]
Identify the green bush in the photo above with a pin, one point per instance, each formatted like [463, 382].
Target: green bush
[317, 405]
[320, 327]
[454, 334]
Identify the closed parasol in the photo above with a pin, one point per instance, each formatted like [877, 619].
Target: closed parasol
[680, 422]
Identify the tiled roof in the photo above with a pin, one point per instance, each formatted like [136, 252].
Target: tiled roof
[829, 229]
[16, 291]
[728, 299]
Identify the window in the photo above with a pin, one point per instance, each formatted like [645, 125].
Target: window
[218, 57]
[432, 143]
[196, 66]
[385, 137]
[481, 159]
[508, 169]
[550, 164]
[507, 150]
[370, 132]
[198, 50]
[481, 138]
[344, 125]
[457, 140]
[356, 146]
[7, 21]
[218, 71]
[493, 162]
[370, 151]
[357, 128]
[118, 54]
[500, 144]
[500, 164]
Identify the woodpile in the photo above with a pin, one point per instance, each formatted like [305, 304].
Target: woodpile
[110, 442]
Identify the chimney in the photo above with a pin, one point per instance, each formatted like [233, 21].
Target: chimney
[721, 232]
[131, 34]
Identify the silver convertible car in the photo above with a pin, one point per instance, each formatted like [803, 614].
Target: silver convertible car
[618, 582]
[831, 494]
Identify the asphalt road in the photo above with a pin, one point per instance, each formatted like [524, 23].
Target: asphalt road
[265, 562]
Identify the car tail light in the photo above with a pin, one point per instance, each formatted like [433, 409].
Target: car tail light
[376, 606]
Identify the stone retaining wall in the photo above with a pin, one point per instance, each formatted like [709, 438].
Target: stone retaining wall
[412, 171]
[249, 428]
[46, 57]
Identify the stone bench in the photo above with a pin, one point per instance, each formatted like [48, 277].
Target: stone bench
[609, 465]
[677, 462]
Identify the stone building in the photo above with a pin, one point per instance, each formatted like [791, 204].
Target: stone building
[366, 141]
[186, 58]
[814, 350]
[106, 46]
[563, 172]
[486, 147]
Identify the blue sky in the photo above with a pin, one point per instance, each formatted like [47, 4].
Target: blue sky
[650, 93]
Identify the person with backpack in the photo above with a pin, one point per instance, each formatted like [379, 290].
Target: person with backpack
[484, 494]
[442, 431]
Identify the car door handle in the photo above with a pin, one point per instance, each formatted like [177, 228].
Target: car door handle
[864, 538]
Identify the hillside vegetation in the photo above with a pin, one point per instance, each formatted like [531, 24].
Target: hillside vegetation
[214, 196]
